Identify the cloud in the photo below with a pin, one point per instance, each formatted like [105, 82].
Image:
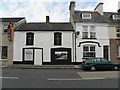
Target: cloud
[58, 10]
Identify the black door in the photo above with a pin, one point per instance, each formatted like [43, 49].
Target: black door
[60, 56]
[105, 52]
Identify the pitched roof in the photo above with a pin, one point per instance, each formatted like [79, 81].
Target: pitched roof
[95, 17]
[45, 27]
[13, 19]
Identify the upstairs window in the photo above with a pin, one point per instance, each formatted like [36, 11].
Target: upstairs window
[116, 17]
[57, 38]
[29, 38]
[117, 32]
[89, 32]
[92, 32]
[85, 32]
[86, 15]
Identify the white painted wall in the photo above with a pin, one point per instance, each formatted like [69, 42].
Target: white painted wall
[101, 35]
[42, 39]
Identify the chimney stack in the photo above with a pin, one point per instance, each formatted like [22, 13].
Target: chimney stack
[47, 19]
[119, 7]
[99, 8]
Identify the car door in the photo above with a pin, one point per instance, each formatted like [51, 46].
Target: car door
[106, 64]
[98, 63]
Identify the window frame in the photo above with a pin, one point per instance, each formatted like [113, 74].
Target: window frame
[57, 38]
[118, 32]
[1, 47]
[89, 52]
[90, 32]
[29, 41]
[86, 14]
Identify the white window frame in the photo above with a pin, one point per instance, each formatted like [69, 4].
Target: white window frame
[89, 51]
[86, 15]
[116, 17]
[90, 30]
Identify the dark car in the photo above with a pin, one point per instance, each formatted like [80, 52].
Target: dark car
[99, 64]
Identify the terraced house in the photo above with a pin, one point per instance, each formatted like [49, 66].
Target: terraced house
[44, 43]
[97, 33]
[7, 26]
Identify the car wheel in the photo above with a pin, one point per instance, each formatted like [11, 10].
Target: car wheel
[92, 68]
[115, 68]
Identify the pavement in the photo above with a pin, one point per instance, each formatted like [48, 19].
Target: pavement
[24, 66]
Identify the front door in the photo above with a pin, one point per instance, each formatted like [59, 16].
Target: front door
[38, 57]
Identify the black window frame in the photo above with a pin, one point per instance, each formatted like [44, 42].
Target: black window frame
[4, 54]
[29, 40]
[57, 38]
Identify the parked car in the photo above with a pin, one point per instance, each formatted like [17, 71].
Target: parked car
[99, 64]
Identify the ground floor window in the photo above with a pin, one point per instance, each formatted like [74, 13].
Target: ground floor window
[61, 55]
[118, 51]
[88, 51]
[3, 52]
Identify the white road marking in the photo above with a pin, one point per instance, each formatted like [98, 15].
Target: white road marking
[4, 66]
[9, 78]
[72, 79]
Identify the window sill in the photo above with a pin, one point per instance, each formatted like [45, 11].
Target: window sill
[3, 59]
[118, 57]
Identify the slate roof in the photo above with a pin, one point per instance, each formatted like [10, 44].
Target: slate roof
[46, 27]
[95, 17]
[13, 19]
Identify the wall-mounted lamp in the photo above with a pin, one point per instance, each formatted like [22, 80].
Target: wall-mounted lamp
[77, 33]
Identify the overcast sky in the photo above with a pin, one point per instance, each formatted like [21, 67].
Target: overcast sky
[58, 10]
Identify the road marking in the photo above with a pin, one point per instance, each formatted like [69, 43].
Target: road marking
[72, 79]
[9, 78]
[4, 66]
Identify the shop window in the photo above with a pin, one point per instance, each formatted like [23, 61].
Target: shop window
[61, 55]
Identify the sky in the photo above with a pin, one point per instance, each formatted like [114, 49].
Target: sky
[57, 10]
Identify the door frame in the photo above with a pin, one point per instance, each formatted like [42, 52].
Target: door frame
[30, 62]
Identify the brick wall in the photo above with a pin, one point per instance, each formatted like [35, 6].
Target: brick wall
[114, 43]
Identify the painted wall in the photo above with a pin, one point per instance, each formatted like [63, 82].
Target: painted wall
[42, 39]
[101, 35]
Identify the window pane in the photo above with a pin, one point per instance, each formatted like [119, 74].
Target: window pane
[92, 34]
[61, 55]
[57, 38]
[30, 39]
[119, 51]
[92, 48]
[85, 35]
[4, 52]
[85, 48]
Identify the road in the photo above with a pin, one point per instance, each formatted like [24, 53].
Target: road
[58, 78]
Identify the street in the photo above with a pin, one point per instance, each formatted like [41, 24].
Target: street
[58, 78]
